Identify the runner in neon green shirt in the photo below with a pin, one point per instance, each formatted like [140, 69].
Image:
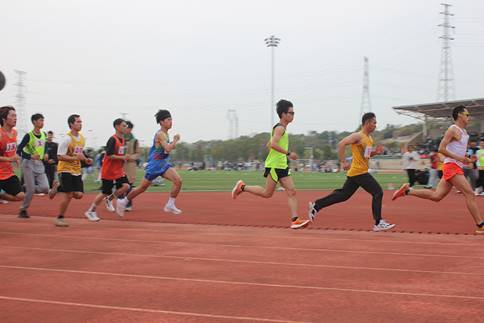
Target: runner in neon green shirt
[276, 165]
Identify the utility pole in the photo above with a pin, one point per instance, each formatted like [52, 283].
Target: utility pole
[446, 86]
[20, 106]
[233, 123]
[365, 96]
[272, 42]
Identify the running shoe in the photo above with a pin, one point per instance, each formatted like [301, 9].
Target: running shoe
[383, 226]
[109, 205]
[172, 209]
[23, 214]
[59, 222]
[480, 230]
[92, 216]
[402, 191]
[121, 205]
[237, 190]
[299, 224]
[53, 190]
[312, 211]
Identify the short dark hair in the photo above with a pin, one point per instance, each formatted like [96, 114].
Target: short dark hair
[283, 107]
[117, 122]
[36, 117]
[367, 116]
[458, 109]
[72, 118]
[4, 113]
[129, 124]
[50, 132]
[162, 115]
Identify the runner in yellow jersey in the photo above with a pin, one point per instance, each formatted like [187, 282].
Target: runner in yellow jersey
[276, 165]
[70, 155]
[362, 150]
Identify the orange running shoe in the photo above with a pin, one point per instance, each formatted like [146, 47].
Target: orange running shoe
[299, 224]
[402, 191]
[237, 190]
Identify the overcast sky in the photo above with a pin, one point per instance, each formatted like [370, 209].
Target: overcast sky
[200, 58]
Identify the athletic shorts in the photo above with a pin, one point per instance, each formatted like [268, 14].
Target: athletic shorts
[11, 185]
[70, 183]
[277, 173]
[108, 184]
[450, 170]
[155, 170]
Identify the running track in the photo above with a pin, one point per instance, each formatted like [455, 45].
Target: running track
[227, 270]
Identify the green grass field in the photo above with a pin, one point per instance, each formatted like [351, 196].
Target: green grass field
[225, 180]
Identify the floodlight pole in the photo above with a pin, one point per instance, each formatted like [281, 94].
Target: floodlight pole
[272, 42]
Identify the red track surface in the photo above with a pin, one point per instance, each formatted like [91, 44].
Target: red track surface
[131, 271]
[409, 213]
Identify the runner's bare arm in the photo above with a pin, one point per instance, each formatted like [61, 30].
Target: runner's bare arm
[274, 143]
[163, 141]
[450, 135]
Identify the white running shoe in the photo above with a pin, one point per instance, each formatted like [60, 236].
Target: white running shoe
[172, 209]
[312, 211]
[92, 216]
[383, 226]
[121, 206]
[109, 205]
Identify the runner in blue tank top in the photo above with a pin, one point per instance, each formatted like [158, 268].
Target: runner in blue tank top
[159, 165]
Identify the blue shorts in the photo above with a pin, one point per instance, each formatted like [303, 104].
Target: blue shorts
[155, 170]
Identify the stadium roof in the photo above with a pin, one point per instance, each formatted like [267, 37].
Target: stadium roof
[442, 109]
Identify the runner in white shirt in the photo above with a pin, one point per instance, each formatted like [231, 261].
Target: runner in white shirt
[454, 147]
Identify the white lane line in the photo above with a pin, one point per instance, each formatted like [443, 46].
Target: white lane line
[310, 236]
[241, 283]
[252, 262]
[145, 310]
[70, 237]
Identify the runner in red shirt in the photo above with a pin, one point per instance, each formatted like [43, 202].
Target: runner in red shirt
[10, 188]
[112, 171]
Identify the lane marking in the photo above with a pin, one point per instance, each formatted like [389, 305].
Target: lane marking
[240, 283]
[252, 262]
[145, 310]
[254, 246]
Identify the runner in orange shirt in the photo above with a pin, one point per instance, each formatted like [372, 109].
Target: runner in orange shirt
[112, 171]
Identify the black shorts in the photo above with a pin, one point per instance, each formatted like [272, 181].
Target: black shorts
[70, 183]
[108, 184]
[277, 173]
[11, 185]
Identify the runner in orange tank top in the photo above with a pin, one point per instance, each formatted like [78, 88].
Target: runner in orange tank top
[10, 188]
[112, 172]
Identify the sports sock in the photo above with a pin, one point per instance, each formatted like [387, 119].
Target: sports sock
[171, 201]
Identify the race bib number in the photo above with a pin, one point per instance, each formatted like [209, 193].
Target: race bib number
[77, 150]
[368, 151]
[121, 150]
[12, 146]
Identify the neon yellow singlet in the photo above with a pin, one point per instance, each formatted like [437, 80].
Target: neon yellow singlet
[361, 156]
[276, 159]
